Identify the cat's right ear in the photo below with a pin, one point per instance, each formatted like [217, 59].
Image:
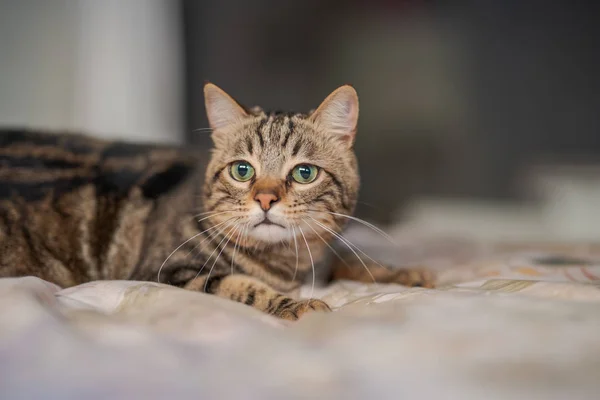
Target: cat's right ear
[221, 109]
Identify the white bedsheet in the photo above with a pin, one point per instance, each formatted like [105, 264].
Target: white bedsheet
[499, 326]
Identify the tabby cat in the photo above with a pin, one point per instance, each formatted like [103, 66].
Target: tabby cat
[278, 188]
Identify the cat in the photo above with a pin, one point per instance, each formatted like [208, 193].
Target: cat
[278, 188]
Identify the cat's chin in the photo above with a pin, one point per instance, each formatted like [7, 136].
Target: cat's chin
[270, 233]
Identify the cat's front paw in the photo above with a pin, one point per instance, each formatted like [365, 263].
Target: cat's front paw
[413, 277]
[295, 310]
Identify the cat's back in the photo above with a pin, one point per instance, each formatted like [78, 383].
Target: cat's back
[35, 164]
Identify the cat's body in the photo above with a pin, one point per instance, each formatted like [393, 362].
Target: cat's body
[75, 209]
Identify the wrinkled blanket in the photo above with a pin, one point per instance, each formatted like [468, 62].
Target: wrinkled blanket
[504, 322]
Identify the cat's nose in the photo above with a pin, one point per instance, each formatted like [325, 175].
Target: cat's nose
[265, 200]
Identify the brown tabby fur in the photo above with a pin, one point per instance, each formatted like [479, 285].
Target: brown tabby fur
[75, 209]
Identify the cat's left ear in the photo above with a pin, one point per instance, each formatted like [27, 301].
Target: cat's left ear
[222, 110]
[338, 114]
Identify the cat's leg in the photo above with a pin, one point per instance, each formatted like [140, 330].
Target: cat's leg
[356, 271]
[252, 292]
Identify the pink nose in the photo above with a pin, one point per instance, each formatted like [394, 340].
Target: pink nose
[265, 200]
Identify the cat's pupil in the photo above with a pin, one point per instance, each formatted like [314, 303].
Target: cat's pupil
[304, 172]
[242, 170]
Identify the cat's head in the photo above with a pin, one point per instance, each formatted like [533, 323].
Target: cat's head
[273, 176]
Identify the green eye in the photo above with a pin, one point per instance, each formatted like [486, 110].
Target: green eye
[305, 173]
[242, 171]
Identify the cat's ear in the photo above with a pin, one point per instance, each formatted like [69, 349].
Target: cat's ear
[338, 114]
[221, 109]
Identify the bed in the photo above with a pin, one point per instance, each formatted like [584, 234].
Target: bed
[518, 321]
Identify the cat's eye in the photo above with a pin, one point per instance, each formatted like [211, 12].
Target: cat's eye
[305, 173]
[242, 171]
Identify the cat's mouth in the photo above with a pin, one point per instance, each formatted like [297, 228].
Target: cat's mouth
[269, 231]
[268, 222]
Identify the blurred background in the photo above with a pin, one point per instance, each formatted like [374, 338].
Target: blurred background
[478, 118]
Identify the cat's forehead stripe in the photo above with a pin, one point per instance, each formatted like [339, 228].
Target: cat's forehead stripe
[297, 146]
[249, 146]
[259, 132]
[289, 132]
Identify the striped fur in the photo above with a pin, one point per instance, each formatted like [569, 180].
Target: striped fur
[75, 209]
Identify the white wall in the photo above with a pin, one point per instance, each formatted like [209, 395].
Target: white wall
[111, 68]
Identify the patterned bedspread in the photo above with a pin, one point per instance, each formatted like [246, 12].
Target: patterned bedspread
[506, 321]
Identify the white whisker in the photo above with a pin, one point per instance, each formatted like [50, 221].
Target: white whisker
[365, 223]
[183, 244]
[347, 243]
[327, 244]
[205, 213]
[312, 264]
[210, 216]
[234, 229]
[235, 247]
[213, 252]
[296, 246]
[213, 235]
[216, 248]
[339, 236]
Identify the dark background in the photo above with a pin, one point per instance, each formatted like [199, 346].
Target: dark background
[457, 98]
